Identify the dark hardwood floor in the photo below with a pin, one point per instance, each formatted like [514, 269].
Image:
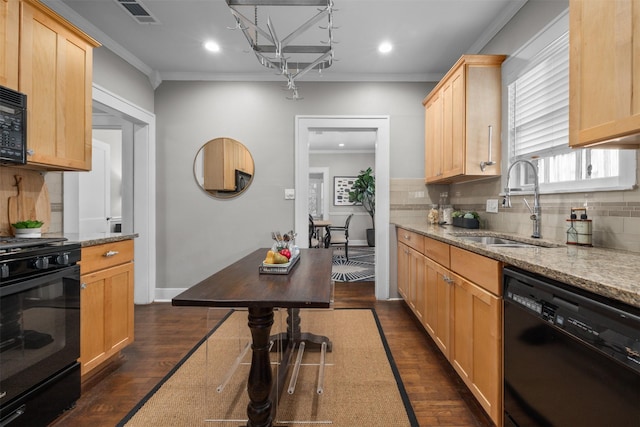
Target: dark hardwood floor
[164, 334]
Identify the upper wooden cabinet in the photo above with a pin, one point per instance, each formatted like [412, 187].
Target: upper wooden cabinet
[9, 27]
[56, 75]
[604, 81]
[462, 121]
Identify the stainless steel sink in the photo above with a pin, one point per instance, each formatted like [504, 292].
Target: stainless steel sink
[501, 241]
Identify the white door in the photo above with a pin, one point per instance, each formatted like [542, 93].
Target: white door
[95, 191]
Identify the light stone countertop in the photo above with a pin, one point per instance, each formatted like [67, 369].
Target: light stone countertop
[610, 273]
[94, 239]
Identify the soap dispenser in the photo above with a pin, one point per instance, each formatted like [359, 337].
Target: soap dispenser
[572, 233]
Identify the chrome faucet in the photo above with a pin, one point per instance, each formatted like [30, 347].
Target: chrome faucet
[536, 213]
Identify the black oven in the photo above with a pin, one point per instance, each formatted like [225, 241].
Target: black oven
[13, 127]
[39, 333]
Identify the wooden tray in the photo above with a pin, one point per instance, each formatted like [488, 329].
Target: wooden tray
[278, 268]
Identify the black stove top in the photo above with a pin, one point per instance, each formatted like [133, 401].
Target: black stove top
[23, 258]
[13, 243]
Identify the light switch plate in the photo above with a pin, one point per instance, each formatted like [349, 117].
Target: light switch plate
[492, 205]
[289, 193]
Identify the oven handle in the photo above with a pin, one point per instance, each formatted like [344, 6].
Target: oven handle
[35, 282]
[17, 413]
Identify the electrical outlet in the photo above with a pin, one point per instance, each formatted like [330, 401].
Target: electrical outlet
[492, 205]
[289, 193]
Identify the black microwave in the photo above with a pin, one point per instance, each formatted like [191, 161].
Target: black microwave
[13, 127]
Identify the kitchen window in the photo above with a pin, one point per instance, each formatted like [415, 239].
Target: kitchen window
[538, 125]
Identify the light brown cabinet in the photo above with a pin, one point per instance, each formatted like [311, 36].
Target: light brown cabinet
[221, 157]
[411, 272]
[462, 311]
[438, 305]
[476, 350]
[9, 43]
[462, 121]
[604, 82]
[106, 302]
[56, 75]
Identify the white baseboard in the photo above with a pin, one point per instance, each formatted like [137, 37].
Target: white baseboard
[167, 294]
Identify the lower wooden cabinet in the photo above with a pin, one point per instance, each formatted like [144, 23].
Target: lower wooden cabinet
[438, 304]
[411, 278]
[106, 302]
[476, 349]
[459, 305]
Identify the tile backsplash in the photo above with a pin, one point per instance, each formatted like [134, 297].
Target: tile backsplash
[615, 214]
[54, 185]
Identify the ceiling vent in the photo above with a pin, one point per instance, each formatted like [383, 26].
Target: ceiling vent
[138, 11]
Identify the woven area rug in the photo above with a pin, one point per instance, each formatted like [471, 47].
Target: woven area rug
[361, 385]
[359, 268]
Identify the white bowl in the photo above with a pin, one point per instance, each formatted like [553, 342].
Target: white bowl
[27, 232]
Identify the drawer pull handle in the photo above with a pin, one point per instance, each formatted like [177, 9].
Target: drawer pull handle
[406, 236]
[83, 286]
[110, 254]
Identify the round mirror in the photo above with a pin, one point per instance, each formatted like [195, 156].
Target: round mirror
[223, 168]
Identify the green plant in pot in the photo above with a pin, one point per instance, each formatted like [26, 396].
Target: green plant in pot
[28, 228]
[363, 191]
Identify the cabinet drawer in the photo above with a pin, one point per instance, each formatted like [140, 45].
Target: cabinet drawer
[411, 239]
[107, 255]
[437, 251]
[483, 271]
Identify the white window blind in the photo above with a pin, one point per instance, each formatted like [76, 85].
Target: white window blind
[536, 80]
[540, 104]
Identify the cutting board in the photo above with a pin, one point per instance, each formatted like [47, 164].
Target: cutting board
[32, 187]
[21, 206]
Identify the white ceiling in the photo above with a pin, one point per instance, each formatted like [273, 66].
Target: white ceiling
[428, 37]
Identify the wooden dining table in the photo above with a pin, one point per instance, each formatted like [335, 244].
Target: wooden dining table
[307, 285]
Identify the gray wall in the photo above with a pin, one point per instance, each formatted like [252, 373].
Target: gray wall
[116, 75]
[198, 235]
[347, 164]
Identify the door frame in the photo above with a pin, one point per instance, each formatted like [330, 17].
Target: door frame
[304, 125]
[144, 189]
[326, 197]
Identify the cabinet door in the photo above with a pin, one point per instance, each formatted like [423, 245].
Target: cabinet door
[417, 283]
[437, 316]
[453, 125]
[92, 322]
[433, 139]
[476, 347]
[9, 27]
[56, 75]
[403, 271]
[106, 307]
[604, 79]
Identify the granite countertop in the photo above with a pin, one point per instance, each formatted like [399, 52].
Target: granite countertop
[610, 273]
[93, 239]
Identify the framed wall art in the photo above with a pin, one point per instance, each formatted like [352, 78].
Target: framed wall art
[341, 187]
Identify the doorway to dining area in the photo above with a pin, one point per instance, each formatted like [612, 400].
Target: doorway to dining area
[317, 146]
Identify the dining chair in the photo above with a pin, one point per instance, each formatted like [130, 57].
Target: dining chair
[338, 236]
[313, 234]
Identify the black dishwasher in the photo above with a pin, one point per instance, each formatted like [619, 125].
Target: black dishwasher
[571, 358]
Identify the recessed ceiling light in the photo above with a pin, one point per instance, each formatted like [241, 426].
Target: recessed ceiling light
[385, 47]
[341, 145]
[212, 46]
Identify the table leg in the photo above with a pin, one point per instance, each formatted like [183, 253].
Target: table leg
[295, 335]
[260, 378]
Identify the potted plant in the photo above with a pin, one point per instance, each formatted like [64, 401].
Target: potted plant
[28, 228]
[363, 191]
[466, 219]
